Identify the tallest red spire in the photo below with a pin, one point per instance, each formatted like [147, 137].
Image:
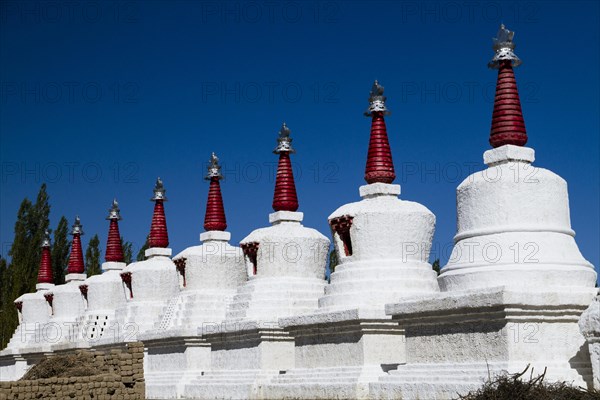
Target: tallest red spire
[76, 265]
[508, 125]
[380, 166]
[285, 197]
[159, 237]
[45, 271]
[214, 219]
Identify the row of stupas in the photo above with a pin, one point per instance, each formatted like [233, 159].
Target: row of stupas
[260, 320]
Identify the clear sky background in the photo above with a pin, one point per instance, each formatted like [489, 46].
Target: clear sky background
[98, 99]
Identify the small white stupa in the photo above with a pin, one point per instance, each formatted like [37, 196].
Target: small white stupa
[105, 293]
[209, 273]
[33, 308]
[382, 242]
[286, 261]
[67, 303]
[152, 285]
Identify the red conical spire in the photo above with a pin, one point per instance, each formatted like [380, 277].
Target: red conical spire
[76, 265]
[45, 271]
[214, 218]
[508, 126]
[285, 198]
[159, 237]
[380, 166]
[114, 250]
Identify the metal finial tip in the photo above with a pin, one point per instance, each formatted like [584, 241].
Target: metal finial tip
[114, 212]
[213, 169]
[504, 48]
[159, 191]
[46, 240]
[284, 131]
[77, 227]
[377, 89]
[284, 141]
[377, 100]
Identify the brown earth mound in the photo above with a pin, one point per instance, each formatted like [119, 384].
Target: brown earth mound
[64, 366]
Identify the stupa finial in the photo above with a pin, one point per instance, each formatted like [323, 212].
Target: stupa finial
[46, 239]
[159, 191]
[504, 46]
[284, 141]
[213, 169]
[377, 100]
[77, 228]
[114, 212]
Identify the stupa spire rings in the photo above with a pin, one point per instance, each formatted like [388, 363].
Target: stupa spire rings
[159, 191]
[213, 169]
[114, 250]
[77, 228]
[45, 274]
[76, 264]
[159, 236]
[377, 101]
[284, 141]
[214, 218]
[114, 212]
[504, 46]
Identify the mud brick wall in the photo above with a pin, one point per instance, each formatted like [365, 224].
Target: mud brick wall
[124, 379]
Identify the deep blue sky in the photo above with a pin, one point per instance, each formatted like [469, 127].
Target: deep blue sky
[98, 99]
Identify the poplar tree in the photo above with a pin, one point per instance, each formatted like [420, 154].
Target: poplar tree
[60, 251]
[21, 275]
[92, 257]
[141, 255]
[127, 251]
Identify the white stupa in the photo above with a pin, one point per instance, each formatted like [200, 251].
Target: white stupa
[67, 302]
[209, 273]
[382, 242]
[286, 261]
[105, 293]
[152, 285]
[34, 309]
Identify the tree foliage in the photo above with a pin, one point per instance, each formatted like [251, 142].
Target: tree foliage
[127, 251]
[92, 257]
[60, 251]
[141, 255]
[20, 276]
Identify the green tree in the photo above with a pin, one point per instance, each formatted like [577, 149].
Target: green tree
[127, 251]
[436, 266]
[21, 275]
[141, 255]
[92, 257]
[60, 251]
[5, 290]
